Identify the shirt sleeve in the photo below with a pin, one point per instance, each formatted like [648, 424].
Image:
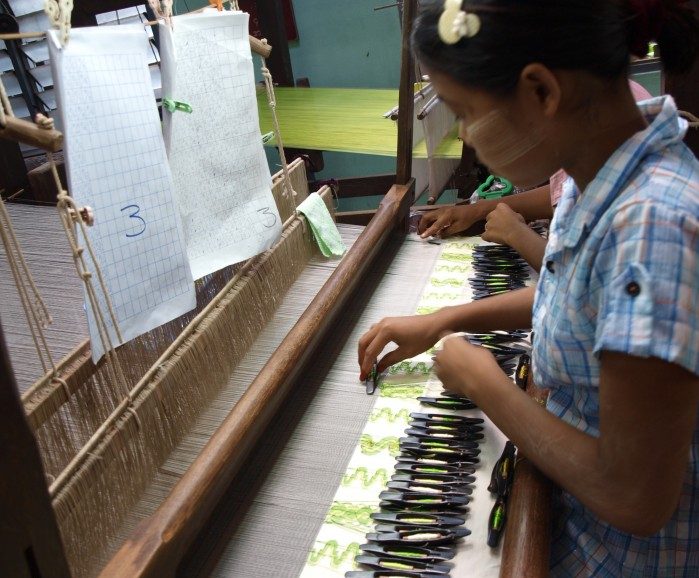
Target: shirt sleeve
[648, 267]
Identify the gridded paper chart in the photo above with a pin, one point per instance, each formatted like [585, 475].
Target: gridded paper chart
[222, 180]
[117, 165]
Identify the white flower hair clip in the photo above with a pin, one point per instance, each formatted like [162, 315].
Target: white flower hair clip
[455, 23]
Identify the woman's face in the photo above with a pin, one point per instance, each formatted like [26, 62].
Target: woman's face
[508, 137]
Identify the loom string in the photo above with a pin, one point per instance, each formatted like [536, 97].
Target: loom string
[36, 311]
[69, 211]
[272, 102]
[58, 12]
[224, 340]
[436, 123]
[104, 334]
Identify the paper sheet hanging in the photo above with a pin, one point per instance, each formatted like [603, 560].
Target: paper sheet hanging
[116, 164]
[222, 181]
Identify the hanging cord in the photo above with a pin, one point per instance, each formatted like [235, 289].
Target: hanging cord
[59, 12]
[692, 120]
[162, 9]
[271, 100]
[234, 5]
[5, 105]
[70, 213]
[35, 310]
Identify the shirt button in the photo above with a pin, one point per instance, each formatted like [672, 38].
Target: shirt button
[549, 266]
[633, 288]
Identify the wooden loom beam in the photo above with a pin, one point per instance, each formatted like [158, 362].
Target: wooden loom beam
[527, 541]
[29, 133]
[406, 98]
[30, 544]
[155, 547]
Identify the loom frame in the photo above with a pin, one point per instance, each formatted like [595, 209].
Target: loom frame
[157, 545]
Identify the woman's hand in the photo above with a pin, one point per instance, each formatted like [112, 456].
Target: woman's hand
[465, 368]
[448, 220]
[502, 225]
[413, 335]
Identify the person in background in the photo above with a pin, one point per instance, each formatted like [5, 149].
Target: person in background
[616, 309]
[505, 221]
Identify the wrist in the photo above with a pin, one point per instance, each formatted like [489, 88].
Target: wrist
[494, 390]
[483, 208]
[448, 319]
[515, 233]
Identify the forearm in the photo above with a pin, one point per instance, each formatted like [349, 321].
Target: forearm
[530, 245]
[566, 455]
[532, 205]
[511, 310]
[617, 478]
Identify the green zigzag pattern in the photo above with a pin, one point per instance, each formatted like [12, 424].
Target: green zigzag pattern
[351, 516]
[369, 446]
[362, 474]
[389, 415]
[332, 550]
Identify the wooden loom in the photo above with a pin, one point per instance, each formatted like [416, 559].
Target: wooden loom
[160, 543]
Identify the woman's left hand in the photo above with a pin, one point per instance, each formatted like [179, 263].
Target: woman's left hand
[503, 225]
[465, 368]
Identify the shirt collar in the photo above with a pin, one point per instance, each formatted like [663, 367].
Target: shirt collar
[579, 212]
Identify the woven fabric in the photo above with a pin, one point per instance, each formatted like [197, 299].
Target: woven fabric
[46, 249]
[269, 520]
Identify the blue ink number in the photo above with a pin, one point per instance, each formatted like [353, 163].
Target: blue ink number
[271, 218]
[135, 215]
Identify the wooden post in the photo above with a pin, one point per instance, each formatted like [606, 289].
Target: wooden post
[406, 104]
[526, 549]
[30, 545]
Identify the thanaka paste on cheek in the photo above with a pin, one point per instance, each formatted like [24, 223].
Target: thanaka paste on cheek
[498, 145]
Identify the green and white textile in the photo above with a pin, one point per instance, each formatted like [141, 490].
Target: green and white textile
[372, 463]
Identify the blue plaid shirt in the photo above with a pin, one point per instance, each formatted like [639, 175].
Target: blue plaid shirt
[622, 274]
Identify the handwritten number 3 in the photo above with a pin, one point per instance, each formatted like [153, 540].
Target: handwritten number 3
[136, 216]
[271, 217]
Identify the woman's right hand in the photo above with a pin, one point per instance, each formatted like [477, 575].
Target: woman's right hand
[412, 335]
[448, 220]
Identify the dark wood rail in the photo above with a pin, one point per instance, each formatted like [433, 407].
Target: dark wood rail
[157, 544]
[527, 542]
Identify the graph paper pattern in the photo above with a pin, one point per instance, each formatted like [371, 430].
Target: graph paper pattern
[117, 165]
[222, 180]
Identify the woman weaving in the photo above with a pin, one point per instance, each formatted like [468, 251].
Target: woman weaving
[541, 85]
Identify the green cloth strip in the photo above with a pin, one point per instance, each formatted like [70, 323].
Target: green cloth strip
[322, 225]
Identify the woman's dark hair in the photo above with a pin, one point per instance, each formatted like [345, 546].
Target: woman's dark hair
[597, 36]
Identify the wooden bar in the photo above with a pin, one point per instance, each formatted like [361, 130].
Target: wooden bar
[30, 544]
[27, 132]
[526, 549]
[46, 396]
[157, 544]
[406, 98]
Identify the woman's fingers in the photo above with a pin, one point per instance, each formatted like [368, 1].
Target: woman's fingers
[442, 222]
